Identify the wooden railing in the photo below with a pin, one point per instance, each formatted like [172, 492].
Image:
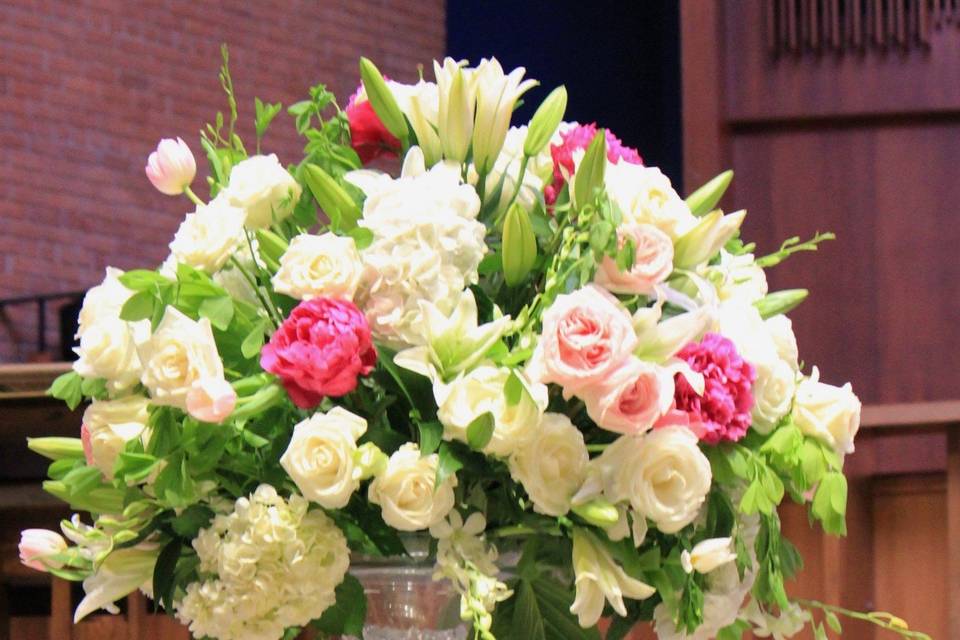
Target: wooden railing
[902, 552]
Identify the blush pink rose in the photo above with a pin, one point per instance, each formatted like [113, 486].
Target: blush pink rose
[320, 350]
[652, 261]
[211, 400]
[586, 336]
[368, 135]
[630, 399]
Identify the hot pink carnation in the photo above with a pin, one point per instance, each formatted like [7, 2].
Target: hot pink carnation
[320, 350]
[368, 136]
[723, 411]
[579, 137]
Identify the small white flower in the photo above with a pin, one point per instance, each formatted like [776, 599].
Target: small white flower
[121, 573]
[325, 265]
[263, 189]
[707, 555]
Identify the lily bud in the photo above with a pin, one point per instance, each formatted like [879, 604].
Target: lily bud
[381, 99]
[427, 138]
[369, 461]
[519, 245]
[545, 121]
[599, 511]
[333, 199]
[778, 302]
[591, 171]
[706, 239]
[271, 245]
[705, 199]
[496, 96]
[172, 167]
[56, 448]
[458, 97]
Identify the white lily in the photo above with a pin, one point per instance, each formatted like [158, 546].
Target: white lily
[707, 555]
[496, 96]
[458, 97]
[121, 573]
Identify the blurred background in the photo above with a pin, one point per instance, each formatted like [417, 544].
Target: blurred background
[836, 115]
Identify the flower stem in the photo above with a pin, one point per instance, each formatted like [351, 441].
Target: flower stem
[881, 619]
[271, 313]
[516, 530]
[258, 402]
[187, 191]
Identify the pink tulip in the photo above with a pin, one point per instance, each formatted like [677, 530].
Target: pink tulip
[36, 545]
[171, 168]
[211, 400]
[86, 439]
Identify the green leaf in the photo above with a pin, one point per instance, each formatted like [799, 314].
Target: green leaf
[480, 431]
[527, 619]
[191, 520]
[830, 503]
[163, 573]
[734, 631]
[138, 307]
[601, 234]
[513, 390]
[448, 464]
[143, 280]
[218, 310]
[703, 200]
[67, 388]
[347, 615]
[362, 237]
[832, 621]
[430, 436]
[134, 467]
[252, 344]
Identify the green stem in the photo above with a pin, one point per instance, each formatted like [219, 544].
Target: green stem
[597, 448]
[258, 402]
[516, 530]
[272, 313]
[879, 618]
[187, 191]
[520, 176]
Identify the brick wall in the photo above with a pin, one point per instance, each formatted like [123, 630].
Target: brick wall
[88, 87]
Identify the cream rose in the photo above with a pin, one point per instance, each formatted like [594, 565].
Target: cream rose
[321, 457]
[208, 237]
[405, 490]
[829, 413]
[482, 390]
[645, 196]
[110, 424]
[586, 336]
[108, 350]
[180, 353]
[264, 189]
[773, 393]
[652, 261]
[103, 301]
[630, 399]
[326, 265]
[780, 329]
[553, 465]
[664, 475]
[739, 278]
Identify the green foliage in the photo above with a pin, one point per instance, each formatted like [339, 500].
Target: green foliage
[792, 246]
[264, 113]
[480, 431]
[541, 606]
[346, 616]
[67, 388]
[830, 503]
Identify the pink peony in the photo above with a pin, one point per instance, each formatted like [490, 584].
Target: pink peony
[579, 137]
[631, 399]
[586, 336]
[652, 261]
[723, 411]
[368, 136]
[320, 350]
[211, 400]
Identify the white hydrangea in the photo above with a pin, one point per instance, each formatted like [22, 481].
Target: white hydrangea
[427, 245]
[272, 564]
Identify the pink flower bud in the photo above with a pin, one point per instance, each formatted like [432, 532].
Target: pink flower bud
[37, 545]
[171, 168]
[86, 439]
[211, 400]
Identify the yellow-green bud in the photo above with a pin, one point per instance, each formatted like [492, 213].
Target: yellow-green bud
[382, 100]
[519, 245]
[778, 302]
[706, 239]
[703, 200]
[336, 202]
[545, 121]
[56, 448]
[270, 245]
[369, 461]
[592, 168]
[599, 512]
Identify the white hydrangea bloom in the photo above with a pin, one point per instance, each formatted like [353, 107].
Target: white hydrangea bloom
[275, 563]
[427, 245]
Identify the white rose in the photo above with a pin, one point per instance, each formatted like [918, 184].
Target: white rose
[645, 196]
[320, 457]
[707, 555]
[482, 390]
[773, 393]
[208, 237]
[262, 187]
[740, 322]
[326, 265]
[780, 329]
[110, 424]
[829, 413]
[405, 490]
[103, 301]
[108, 350]
[181, 352]
[553, 465]
[663, 474]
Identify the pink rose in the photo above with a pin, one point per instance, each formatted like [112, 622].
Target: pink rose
[586, 336]
[652, 261]
[319, 351]
[211, 400]
[631, 399]
[368, 136]
[37, 545]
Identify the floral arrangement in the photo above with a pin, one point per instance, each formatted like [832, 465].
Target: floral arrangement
[525, 340]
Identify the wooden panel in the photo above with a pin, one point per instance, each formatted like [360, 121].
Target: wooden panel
[762, 87]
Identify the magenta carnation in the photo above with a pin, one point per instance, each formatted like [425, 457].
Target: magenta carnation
[723, 411]
[320, 350]
[579, 137]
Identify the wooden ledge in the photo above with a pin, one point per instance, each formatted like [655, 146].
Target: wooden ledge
[911, 414]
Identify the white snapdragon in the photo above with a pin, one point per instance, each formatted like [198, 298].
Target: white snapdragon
[482, 390]
[407, 493]
[427, 245]
[321, 457]
[263, 189]
[327, 265]
[269, 565]
[552, 466]
[109, 425]
[208, 237]
[829, 413]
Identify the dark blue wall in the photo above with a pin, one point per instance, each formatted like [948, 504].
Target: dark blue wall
[620, 62]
